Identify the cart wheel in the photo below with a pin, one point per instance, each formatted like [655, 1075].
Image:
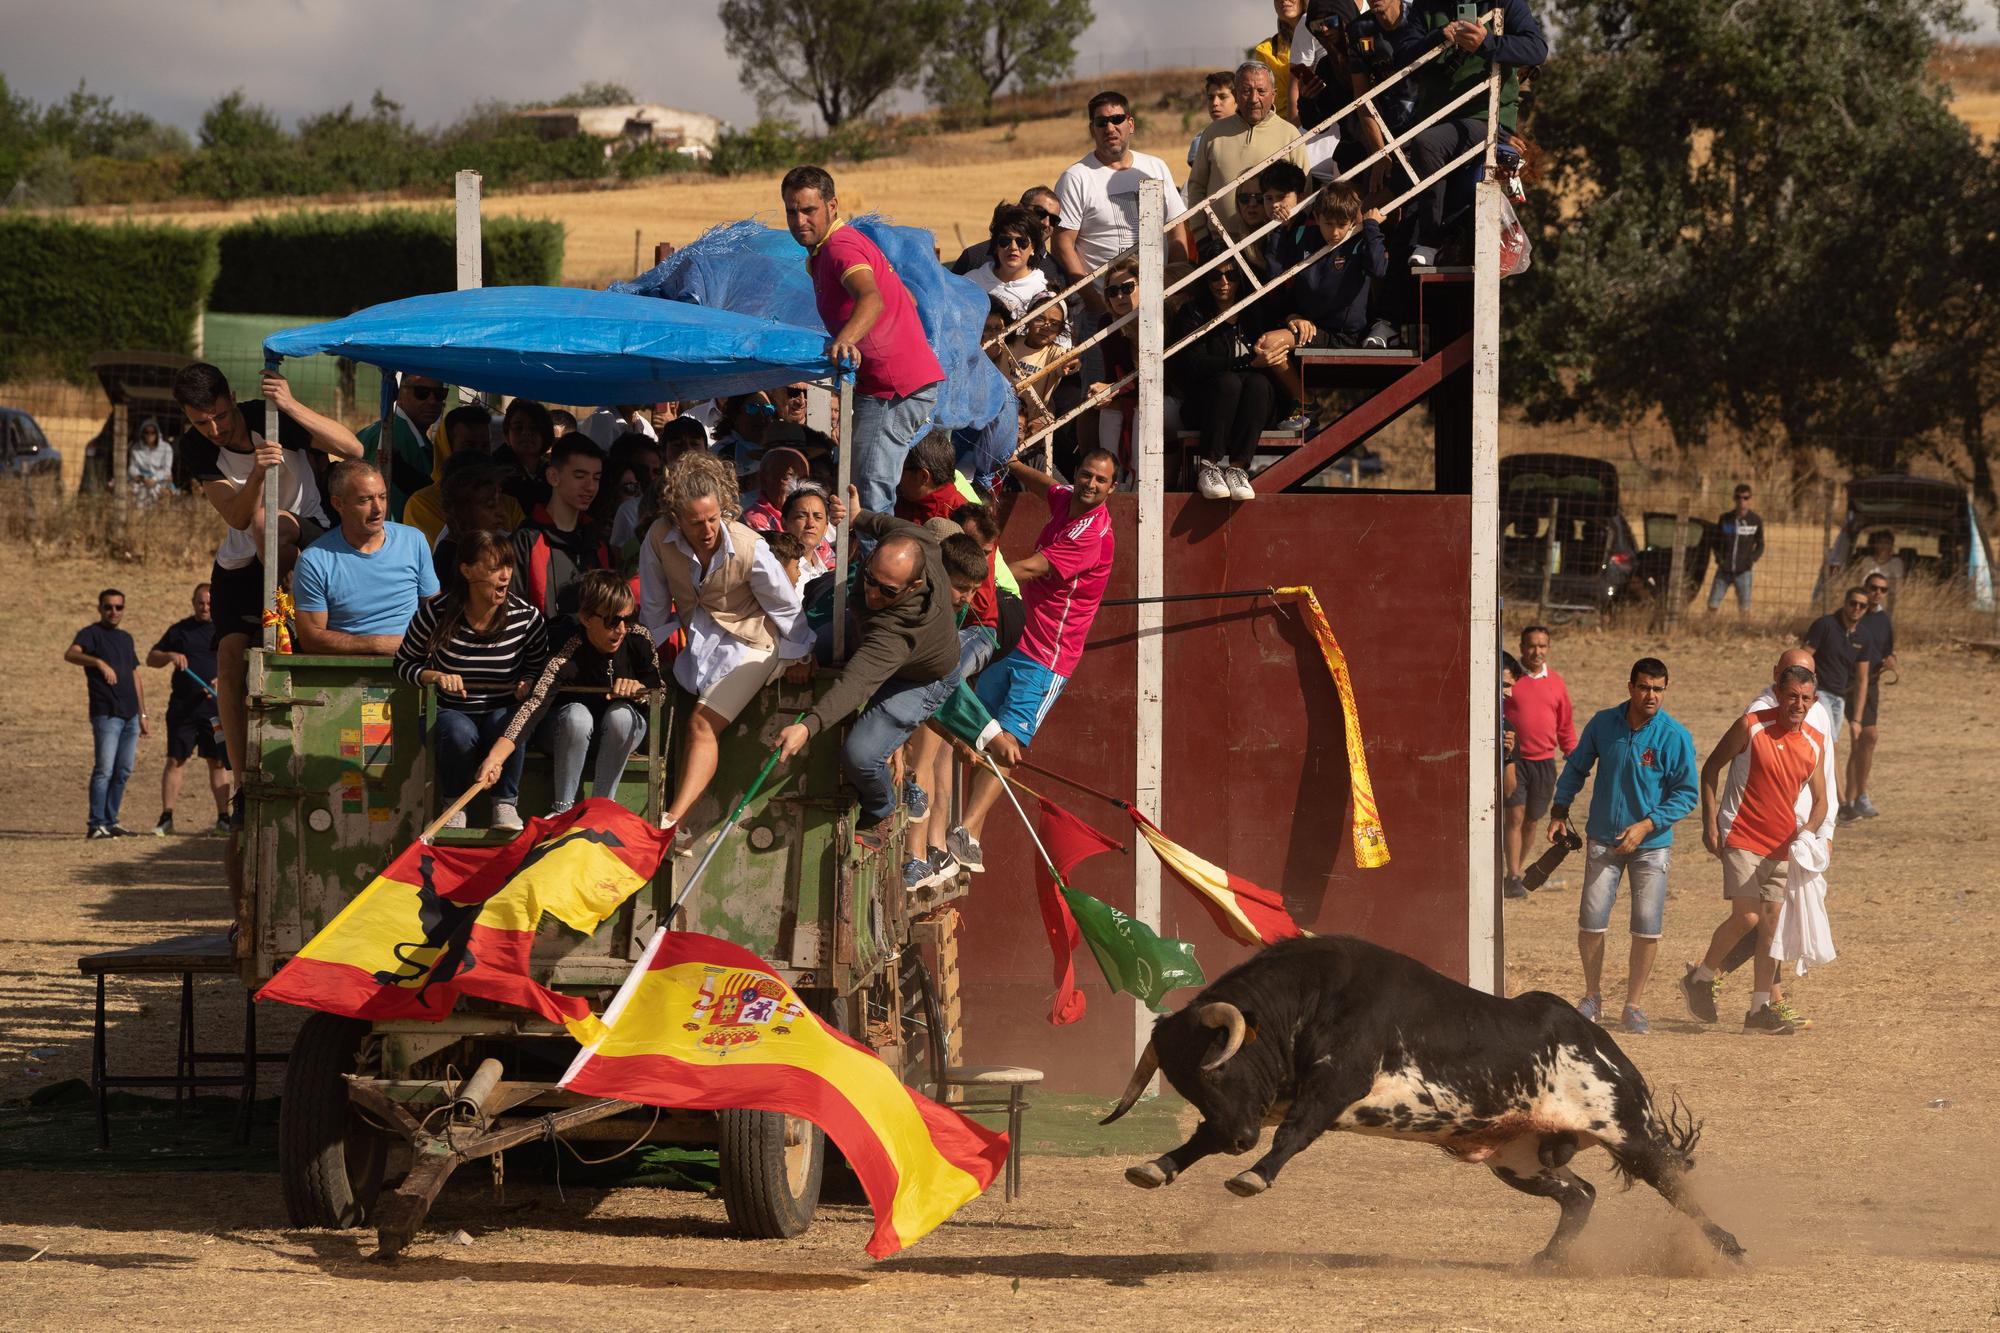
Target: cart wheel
[330, 1161]
[772, 1166]
[922, 1026]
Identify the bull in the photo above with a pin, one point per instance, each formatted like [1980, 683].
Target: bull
[1335, 1033]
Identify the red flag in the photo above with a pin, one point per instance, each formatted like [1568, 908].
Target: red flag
[1068, 841]
[1245, 911]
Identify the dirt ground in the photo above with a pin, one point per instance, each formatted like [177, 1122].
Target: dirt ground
[1854, 1161]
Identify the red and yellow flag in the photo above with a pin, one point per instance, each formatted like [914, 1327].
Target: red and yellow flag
[705, 1024]
[1371, 845]
[442, 922]
[1247, 912]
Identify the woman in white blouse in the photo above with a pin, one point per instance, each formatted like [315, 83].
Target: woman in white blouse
[1013, 273]
[702, 568]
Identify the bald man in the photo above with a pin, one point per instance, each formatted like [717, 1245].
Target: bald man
[904, 664]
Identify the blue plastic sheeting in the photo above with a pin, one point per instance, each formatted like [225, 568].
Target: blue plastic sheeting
[563, 345]
[753, 269]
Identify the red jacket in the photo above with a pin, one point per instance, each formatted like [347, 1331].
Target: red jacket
[1540, 712]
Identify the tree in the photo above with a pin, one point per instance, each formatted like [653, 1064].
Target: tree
[985, 43]
[236, 124]
[1745, 208]
[597, 94]
[841, 57]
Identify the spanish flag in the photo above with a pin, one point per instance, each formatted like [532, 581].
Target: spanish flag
[1245, 911]
[705, 1024]
[442, 922]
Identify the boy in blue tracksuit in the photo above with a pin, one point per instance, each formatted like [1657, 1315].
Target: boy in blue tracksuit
[1647, 779]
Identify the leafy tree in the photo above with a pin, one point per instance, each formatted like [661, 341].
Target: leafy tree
[235, 124]
[841, 57]
[1746, 213]
[985, 43]
[597, 94]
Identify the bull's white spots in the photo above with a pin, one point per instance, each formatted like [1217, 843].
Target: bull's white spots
[1566, 1092]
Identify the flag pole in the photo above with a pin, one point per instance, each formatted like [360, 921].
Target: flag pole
[715, 843]
[1008, 787]
[444, 816]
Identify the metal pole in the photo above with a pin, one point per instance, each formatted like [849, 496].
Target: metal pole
[1482, 934]
[271, 524]
[841, 538]
[470, 271]
[1826, 569]
[1150, 446]
[1550, 551]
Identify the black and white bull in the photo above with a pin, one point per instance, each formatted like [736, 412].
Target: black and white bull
[1335, 1033]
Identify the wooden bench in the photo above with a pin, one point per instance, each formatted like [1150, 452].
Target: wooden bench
[185, 956]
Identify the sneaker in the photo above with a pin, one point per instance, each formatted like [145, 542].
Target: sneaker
[1514, 888]
[1239, 484]
[1789, 1012]
[236, 812]
[1380, 334]
[944, 867]
[1864, 808]
[221, 827]
[1700, 996]
[1591, 1008]
[559, 808]
[916, 874]
[1423, 256]
[165, 828]
[914, 799]
[1634, 1022]
[965, 849]
[1847, 814]
[1767, 1021]
[1210, 481]
[1298, 423]
[456, 821]
[97, 831]
[870, 839]
[120, 831]
[507, 815]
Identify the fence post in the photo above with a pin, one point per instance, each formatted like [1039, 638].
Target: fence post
[121, 459]
[1149, 444]
[1825, 543]
[1550, 554]
[1673, 596]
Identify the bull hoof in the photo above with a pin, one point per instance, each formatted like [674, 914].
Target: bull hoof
[1728, 1246]
[1148, 1176]
[1247, 1184]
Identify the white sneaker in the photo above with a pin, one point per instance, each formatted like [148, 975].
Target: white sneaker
[1380, 333]
[1423, 256]
[456, 821]
[507, 815]
[1210, 481]
[1239, 484]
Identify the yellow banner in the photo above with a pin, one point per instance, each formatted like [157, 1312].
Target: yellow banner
[1371, 845]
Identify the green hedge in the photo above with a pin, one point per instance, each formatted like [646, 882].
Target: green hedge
[333, 263]
[71, 289]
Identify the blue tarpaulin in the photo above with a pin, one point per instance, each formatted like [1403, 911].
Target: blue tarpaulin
[752, 269]
[564, 345]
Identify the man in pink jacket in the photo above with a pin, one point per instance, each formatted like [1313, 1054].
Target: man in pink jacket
[1539, 712]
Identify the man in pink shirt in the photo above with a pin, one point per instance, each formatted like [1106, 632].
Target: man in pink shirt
[873, 326]
[1062, 584]
[1538, 708]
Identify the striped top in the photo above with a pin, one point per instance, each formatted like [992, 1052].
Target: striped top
[491, 665]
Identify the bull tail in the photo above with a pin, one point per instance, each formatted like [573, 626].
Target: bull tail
[1669, 1142]
[1149, 1065]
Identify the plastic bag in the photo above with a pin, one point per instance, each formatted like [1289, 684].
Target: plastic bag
[1516, 250]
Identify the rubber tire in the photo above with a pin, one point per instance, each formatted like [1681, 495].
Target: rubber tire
[920, 1004]
[329, 1165]
[756, 1188]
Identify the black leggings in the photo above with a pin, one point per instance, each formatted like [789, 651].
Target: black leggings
[1235, 407]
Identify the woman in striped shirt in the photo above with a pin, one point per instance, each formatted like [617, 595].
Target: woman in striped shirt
[479, 648]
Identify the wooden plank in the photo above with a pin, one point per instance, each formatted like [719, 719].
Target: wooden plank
[207, 952]
[1363, 420]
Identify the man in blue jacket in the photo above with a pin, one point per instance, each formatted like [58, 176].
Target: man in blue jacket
[1647, 779]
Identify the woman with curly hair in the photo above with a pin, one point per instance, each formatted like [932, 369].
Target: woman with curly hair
[731, 595]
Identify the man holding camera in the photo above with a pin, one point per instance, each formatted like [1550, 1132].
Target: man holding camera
[1645, 783]
[1472, 49]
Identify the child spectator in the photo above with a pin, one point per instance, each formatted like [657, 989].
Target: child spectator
[557, 546]
[1114, 415]
[1218, 90]
[1295, 237]
[610, 651]
[479, 646]
[1223, 386]
[998, 601]
[780, 471]
[1330, 300]
[530, 433]
[790, 551]
[1013, 274]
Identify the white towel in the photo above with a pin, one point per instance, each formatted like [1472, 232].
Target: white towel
[1805, 936]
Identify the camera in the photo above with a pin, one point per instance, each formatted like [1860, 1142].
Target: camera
[1365, 40]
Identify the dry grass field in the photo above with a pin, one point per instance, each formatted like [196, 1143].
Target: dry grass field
[1853, 1161]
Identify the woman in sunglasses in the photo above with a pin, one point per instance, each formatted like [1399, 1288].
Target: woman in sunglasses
[731, 595]
[1013, 270]
[610, 652]
[1222, 385]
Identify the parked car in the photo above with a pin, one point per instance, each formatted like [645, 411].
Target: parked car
[1933, 529]
[1656, 557]
[1592, 557]
[24, 450]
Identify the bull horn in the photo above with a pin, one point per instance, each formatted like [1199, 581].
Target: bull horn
[1149, 1065]
[1222, 1014]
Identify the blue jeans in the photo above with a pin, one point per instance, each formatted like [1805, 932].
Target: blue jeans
[1836, 707]
[1720, 589]
[975, 649]
[1601, 868]
[884, 431]
[898, 708]
[117, 748]
[460, 742]
[566, 734]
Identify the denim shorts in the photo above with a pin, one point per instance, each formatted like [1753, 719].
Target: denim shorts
[1601, 869]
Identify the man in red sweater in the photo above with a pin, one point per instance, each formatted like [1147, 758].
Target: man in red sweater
[1539, 712]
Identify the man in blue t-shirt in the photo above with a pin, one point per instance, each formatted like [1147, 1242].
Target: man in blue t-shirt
[356, 588]
[117, 710]
[193, 727]
[1646, 782]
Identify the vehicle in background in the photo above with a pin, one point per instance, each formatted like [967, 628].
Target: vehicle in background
[1656, 557]
[1589, 557]
[1934, 530]
[25, 450]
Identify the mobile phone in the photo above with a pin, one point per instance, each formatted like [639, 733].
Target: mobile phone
[1468, 11]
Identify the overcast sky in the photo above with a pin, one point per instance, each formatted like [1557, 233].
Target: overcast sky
[438, 57]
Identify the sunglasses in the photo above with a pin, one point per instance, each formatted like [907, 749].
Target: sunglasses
[617, 622]
[431, 391]
[1249, 198]
[1121, 289]
[1878, 587]
[888, 590]
[1041, 213]
[1012, 243]
[1100, 122]
[791, 393]
[111, 606]
[1861, 605]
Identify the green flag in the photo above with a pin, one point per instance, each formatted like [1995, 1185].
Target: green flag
[1132, 957]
